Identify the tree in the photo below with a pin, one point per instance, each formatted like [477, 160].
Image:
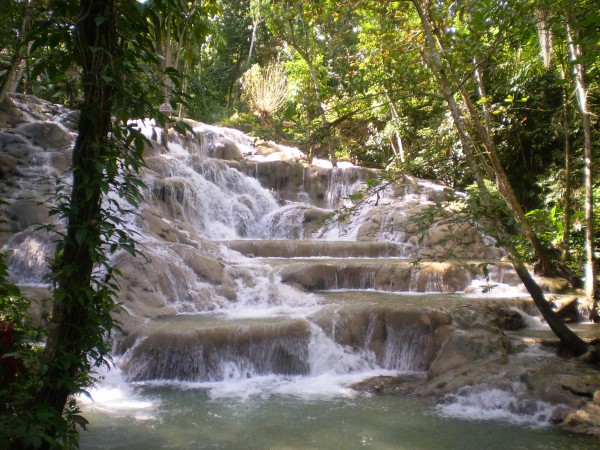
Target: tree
[80, 315]
[107, 157]
[179, 28]
[579, 78]
[293, 21]
[437, 57]
[265, 90]
[13, 75]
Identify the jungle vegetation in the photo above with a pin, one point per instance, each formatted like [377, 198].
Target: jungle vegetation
[497, 98]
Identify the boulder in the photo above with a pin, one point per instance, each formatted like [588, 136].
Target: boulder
[462, 349]
[585, 420]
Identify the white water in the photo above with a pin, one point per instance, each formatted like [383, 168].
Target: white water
[507, 404]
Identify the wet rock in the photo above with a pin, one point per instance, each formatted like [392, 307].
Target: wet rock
[187, 352]
[41, 304]
[464, 348]
[227, 150]
[554, 285]
[27, 213]
[585, 420]
[203, 266]
[285, 178]
[399, 339]
[8, 166]
[47, 135]
[508, 319]
[403, 384]
[312, 277]
[562, 381]
[441, 277]
[570, 310]
[301, 248]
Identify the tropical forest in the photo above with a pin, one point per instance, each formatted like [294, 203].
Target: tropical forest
[285, 224]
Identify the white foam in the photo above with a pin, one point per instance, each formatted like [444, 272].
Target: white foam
[267, 296]
[326, 164]
[508, 404]
[114, 395]
[480, 288]
[312, 387]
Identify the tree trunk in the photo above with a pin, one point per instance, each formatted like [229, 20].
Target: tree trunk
[567, 337]
[255, 22]
[13, 75]
[293, 41]
[544, 265]
[566, 251]
[70, 335]
[400, 153]
[576, 54]
[317, 87]
[184, 86]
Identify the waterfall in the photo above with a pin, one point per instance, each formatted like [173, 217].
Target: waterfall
[232, 243]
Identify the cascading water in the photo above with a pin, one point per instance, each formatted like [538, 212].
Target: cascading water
[221, 330]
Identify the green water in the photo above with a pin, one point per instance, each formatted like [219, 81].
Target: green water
[189, 419]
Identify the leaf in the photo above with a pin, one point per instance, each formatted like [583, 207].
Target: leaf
[87, 395]
[80, 420]
[81, 235]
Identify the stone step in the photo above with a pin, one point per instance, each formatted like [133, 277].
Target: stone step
[391, 275]
[316, 248]
[175, 349]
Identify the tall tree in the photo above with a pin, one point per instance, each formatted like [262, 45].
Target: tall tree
[107, 156]
[441, 63]
[295, 22]
[579, 78]
[180, 28]
[436, 56]
[74, 326]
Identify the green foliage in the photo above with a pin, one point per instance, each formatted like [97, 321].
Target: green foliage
[358, 82]
[10, 17]
[214, 93]
[105, 188]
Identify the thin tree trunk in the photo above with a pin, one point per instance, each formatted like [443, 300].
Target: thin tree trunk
[74, 299]
[255, 23]
[184, 86]
[482, 95]
[544, 265]
[316, 85]
[566, 251]
[400, 153]
[576, 54]
[13, 76]
[567, 337]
